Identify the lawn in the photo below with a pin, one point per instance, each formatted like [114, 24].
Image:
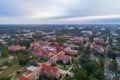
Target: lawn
[10, 70]
[2, 61]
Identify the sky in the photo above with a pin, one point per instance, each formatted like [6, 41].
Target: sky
[59, 11]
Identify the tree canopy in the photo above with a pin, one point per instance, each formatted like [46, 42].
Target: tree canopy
[5, 53]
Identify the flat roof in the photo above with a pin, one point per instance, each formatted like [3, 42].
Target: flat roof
[118, 60]
[31, 68]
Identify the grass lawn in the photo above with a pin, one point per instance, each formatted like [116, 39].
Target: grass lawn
[10, 70]
[2, 61]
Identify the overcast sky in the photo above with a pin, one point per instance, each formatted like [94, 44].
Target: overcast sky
[59, 11]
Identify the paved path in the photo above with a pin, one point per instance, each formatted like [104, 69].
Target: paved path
[66, 72]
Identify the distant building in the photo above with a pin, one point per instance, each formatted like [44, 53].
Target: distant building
[42, 53]
[57, 46]
[70, 28]
[118, 63]
[16, 48]
[60, 57]
[38, 44]
[49, 48]
[50, 38]
[79, 39]
[86, 32]
[100, 40]
[97, 48]
[69, 51]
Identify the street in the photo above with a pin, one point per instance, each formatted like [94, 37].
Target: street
[108, 73]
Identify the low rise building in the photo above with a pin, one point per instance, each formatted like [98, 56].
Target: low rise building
[42, 53]
[16, 48]
[38, 44]
[79, 40]
[60, 57]
[57, 46]
[50, 38]
[100, 40]
[118, 62]
[33, 73]
[97, 48]
[70, 51]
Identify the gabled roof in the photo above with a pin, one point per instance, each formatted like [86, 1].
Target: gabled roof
[49, 68]
[41, 51]
[23, 78]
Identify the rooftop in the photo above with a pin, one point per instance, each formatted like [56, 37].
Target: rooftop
[31, 68]
[118, 60]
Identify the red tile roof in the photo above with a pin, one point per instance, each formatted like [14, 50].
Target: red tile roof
[41, 51]
[61, 54]
[16, 47]
[49, 68]
[57, 46]
[23, 78]
[27, 72]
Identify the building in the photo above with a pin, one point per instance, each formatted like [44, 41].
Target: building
[77, 40]
[87, 32]
[49, 48]
[57, 46]
[69, 51]
[118, 62]
[98, 40]
[33, 73]
[16, 48]
[50, 38]
[50, 71]
[71, 45]
[45, 54]
[97, 48]
[38, 44]
[60, 57]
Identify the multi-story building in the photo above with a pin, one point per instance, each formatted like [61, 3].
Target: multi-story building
[42, 53]
[70, 51]
[60, 57]
[16, 48]
[33, 73]
[97, 48]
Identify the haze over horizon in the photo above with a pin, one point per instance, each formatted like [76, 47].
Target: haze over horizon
[59, 11]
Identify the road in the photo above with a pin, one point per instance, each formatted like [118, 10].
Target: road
[108, 73]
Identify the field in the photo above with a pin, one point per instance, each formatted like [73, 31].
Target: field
[2, 61]
[10, 71]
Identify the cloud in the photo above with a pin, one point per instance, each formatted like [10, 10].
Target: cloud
[58, 11]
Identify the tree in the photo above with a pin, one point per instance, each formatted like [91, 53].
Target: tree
[102, 62]
[23, 59]
[87, 51]
[99, 74]
[80, 48]
[92, 66]
[91, 77]
[113, 66]
[83, 60]
[32, 62]
[5, 53]
[61, 41]
[111, 54]
[101, 43]
[81, 74]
